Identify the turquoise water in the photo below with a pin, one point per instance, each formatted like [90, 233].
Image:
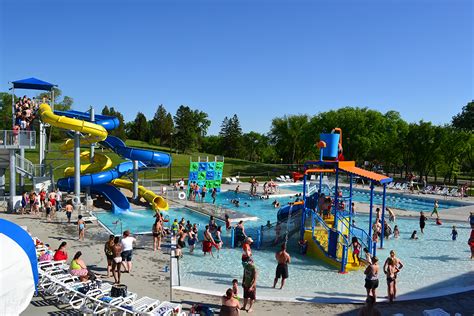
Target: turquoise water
[434, 264]
[141, 221]
[393, 200]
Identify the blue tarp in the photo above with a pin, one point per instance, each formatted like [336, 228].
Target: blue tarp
[33, 84]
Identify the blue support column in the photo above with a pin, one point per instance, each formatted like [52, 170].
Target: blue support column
[336, 197]
[383, 216]
[303, 213]
[370, 215]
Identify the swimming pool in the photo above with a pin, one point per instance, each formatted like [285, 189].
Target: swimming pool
[140, 221]
[434, 265]
[393, 200]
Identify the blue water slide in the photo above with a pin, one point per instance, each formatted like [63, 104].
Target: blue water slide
[119, 201]
[284, 211]
[98, 181]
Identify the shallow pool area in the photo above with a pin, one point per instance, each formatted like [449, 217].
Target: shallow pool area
[400, 201]
[434, 264]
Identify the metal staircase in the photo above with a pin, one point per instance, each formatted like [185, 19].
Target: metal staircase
[39, 174]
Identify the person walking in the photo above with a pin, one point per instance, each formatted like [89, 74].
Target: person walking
[69, 210]
[283, 259]
[435, 209]
[81, 226]
[127, 251]
[249, 285]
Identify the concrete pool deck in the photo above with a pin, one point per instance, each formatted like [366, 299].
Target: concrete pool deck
[148, 279]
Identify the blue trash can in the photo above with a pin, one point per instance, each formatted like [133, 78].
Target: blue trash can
[332, 145]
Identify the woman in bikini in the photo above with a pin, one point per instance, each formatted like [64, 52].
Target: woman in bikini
[391, 271]
[157, 232]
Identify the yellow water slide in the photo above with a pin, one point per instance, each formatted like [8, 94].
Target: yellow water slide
[94, 133]
[101, 162]
[156, 201]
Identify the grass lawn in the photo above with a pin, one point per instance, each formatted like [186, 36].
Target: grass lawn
[180, 166]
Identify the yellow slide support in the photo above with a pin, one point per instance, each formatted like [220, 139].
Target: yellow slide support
[96, 133]
[156, 201]
[101, 163]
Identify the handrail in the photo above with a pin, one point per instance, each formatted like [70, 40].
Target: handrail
[323, 222]
[365, 240]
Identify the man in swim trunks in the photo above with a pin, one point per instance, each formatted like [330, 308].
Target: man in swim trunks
[208, 242]
[283, 258]
[69, 209]
[249, 284]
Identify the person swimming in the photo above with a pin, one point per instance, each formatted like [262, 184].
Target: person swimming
[413, 235]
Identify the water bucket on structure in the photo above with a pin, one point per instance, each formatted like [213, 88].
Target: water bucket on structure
[332, 145]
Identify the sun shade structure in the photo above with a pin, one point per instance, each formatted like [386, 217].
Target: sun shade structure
[33, 84]
[349, 167]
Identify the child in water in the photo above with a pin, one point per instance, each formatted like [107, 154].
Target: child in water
[454, 233]
[368, 257]
[413, 235]
[396, 232]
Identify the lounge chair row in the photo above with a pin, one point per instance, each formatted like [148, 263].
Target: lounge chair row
[232, 180]
[94, 297]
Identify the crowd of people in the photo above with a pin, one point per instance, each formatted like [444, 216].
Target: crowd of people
[45, 202]
[25, 113]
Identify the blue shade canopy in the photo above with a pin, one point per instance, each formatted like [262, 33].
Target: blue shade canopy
[33, 84]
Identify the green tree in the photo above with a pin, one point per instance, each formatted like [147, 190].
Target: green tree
[138, 128]
[191, 127]
[161, 126]
[231, 137]
[288, 135]
[6, 110]
[465, 119]
[119, 131]
[257, 147]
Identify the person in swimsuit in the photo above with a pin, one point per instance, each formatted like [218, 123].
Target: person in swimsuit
[454, 233]
[32, 200]
[283, 258]
[391, 214]
[47, 206]
[239, 234]
[230, 305]
[356, 246]
[396, 232]
[81, 226]
[203, 193]
[208, 242]
[372, 278]
[42, 196]
[117, 261]
[24, 202]
[391, 271]
[368, 257]
[192, 240]
[435, 210]
[235, 288]
[78, 267]
[218, 238]
[470, 242]
[246, 251]
[69, 210]
[181, 243]
[423, 220]
[188, 226]
[157, 232]
[227, 222]
[213, 195]
[471, 220]
[109, 254]
[413, 235]
[175, 227]
[212, 224]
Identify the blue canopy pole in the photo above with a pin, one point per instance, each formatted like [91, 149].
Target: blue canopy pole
[370, 216]
[303, 213]
[336, 199]
[383, 216]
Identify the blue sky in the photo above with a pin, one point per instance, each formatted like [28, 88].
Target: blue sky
[258, 59]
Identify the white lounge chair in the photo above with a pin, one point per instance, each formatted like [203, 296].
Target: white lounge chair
[228, 181]
[288, 179]
[278, 178]
[235, 180]
[167, 309]
[143, 304]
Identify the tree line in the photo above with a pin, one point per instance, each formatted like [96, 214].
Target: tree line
[384, 140]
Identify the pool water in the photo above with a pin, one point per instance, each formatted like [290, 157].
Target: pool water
[141, 221]
[434, 264]
[393, 200]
